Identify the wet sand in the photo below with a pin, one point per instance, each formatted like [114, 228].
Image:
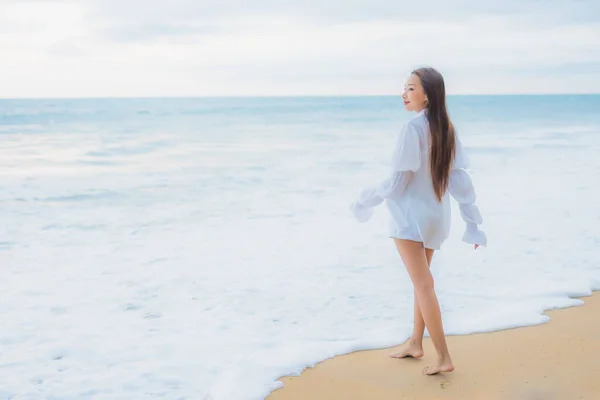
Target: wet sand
[559, 360]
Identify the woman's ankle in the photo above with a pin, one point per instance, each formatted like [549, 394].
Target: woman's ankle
[444, 358]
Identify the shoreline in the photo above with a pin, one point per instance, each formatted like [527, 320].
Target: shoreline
[556, 360]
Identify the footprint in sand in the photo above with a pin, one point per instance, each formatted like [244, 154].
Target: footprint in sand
[445, 384]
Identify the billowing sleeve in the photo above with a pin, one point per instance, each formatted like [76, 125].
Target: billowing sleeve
[462, 190]
[406, 159]
[407, 152]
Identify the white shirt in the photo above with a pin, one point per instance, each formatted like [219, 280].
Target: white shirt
[416, 213]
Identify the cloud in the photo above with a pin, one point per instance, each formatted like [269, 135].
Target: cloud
[66, 49]
[184, 47]
[333, 10]
[133, 32]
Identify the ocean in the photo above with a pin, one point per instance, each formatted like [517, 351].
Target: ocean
[201, 248]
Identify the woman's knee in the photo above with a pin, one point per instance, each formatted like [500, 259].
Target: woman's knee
[424, 283]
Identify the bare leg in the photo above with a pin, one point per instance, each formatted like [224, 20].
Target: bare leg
[414, 257]
[414, 347]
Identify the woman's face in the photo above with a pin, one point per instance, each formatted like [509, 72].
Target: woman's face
[414, 96]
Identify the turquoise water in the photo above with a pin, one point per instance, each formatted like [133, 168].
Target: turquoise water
[160, 113]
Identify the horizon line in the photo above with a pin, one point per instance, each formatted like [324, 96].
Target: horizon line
[266, 96]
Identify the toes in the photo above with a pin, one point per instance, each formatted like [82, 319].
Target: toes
[407, 354]
[430, 370]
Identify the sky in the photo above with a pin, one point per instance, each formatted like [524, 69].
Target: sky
[147, 48]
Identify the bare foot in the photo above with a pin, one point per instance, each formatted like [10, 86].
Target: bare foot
[445, 366]
[412, 351]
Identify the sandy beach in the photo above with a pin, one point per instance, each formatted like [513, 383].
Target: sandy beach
[559, 360]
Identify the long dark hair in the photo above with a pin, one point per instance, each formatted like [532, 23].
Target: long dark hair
[443, 140]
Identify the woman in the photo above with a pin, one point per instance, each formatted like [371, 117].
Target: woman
[428, 165]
